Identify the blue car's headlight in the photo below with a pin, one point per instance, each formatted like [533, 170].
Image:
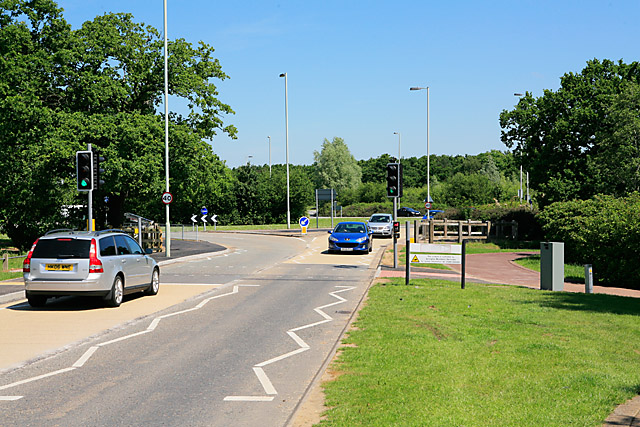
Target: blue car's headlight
[362, 239]
[333, 239]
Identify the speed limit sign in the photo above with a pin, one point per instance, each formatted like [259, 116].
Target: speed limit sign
[167, 198]
[427, 205]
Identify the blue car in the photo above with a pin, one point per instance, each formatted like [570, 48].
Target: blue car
[351, 236]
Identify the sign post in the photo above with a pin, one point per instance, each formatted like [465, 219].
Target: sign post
[204, 213]
[304, 223]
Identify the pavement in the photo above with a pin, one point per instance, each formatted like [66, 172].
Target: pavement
[498, 268]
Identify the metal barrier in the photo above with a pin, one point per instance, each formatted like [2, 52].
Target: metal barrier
[146, 231]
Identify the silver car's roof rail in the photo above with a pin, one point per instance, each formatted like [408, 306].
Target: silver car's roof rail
[59, 230]
[110, 230]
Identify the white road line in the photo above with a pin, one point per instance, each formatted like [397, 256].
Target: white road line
[257, 369]
[264, 380]
[87, 354]
[39, 377]
[248, 398]
[192, 284]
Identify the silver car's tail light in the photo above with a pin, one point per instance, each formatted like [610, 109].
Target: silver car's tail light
[26, 264]
[95, 265]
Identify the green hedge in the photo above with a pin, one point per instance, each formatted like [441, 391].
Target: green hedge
[603, 231]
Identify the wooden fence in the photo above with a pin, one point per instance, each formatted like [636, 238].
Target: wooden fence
[447, 230]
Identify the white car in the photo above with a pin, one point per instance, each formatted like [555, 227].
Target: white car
[381, 225]
[108, 264]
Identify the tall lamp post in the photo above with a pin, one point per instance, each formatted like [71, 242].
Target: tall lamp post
[428, 159]
[166, 129]
[399, 142]
[269, 156]
[286, 121]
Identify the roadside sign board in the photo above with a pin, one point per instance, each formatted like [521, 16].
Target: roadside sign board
[327, 194]
[167, 198]
[430, 253]
[304, 223]
[427, 205]
[204, 211]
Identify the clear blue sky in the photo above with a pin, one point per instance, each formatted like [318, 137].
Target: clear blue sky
[350, 65]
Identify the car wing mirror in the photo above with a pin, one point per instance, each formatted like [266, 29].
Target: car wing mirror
[148, 251]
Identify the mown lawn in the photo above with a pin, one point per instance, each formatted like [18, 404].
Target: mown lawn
[431, 354]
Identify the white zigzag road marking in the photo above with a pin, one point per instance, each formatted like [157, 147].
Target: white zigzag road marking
[87, 354]
[262, 377]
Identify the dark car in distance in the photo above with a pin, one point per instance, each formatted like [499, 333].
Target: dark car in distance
[408, 212]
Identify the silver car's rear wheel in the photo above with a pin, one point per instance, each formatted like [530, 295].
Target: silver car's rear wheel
[154, 286]
[114, 299]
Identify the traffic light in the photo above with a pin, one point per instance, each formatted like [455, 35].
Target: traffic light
[97, 170]
[84, 170]
[393, 179]
[396, 229]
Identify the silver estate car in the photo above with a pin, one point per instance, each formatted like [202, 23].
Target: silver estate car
[381, 224]
[108, 264]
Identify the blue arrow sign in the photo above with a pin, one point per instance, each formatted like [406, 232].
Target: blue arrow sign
[304, 221]
[204, 211]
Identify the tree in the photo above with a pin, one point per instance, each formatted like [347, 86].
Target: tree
[336, 165]
[61, 89]
[560, 137]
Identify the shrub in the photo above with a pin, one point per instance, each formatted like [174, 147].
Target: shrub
[603, 231]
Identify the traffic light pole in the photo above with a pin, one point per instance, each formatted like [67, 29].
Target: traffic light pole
[395, 240]
[90, 225]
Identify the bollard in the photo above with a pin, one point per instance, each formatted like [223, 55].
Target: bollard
[5, 262]
[588, 279]
[408, 254]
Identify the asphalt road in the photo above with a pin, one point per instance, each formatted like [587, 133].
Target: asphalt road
[243, 351]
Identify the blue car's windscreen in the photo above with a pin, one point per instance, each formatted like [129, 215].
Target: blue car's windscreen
[349, 228]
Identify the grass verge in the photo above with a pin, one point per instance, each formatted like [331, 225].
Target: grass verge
[433, 354]
[572, 272]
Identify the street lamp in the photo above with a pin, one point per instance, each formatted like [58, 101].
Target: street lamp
[399, 137]
[428, 160]
[249, 160]
[286, 121]
[166, 130]
[269, 156]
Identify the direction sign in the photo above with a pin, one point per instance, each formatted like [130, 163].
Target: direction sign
[204, 218]
[167, 198]
[213, 218]
[194, 219]
[304, 221]
[204, 211]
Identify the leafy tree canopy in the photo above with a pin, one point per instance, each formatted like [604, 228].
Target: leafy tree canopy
[568, 139]
[336, 166]
[102, 84]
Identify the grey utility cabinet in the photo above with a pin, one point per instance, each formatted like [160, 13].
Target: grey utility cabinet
[552, 266]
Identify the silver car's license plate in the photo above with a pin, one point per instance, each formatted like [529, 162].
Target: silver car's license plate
[346, 249]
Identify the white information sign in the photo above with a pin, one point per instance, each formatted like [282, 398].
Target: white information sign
[435, 248]
[436, 259]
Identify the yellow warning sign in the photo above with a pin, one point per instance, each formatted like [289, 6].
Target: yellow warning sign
[415, 259]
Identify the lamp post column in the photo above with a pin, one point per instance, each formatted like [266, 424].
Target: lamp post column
[286, 120]
[166, 129]
[269, 156]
